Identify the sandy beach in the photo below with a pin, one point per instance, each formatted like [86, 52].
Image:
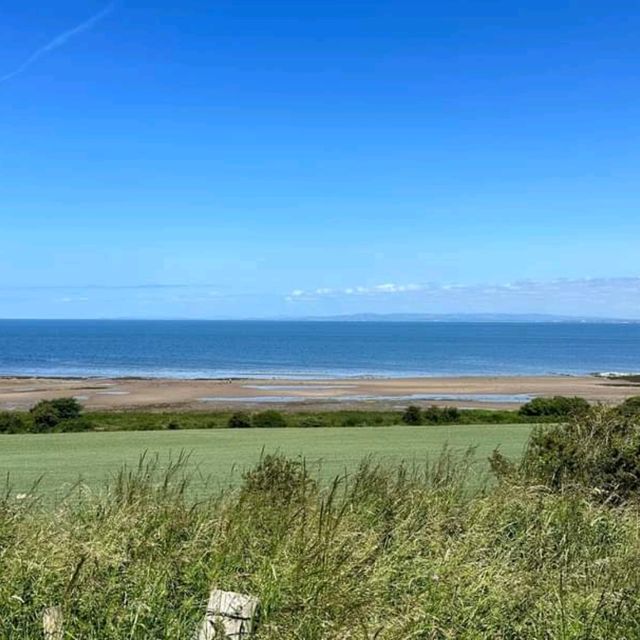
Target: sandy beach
[207, 395]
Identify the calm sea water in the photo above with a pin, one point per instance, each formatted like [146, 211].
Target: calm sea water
[185, 349]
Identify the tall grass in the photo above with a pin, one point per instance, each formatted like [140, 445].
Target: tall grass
[386, 553]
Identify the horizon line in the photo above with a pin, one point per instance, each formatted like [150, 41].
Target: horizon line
[363, 317]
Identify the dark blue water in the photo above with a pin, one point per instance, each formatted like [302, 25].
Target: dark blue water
[187, 349]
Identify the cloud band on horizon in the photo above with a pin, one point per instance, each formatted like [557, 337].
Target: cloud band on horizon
[630, 284]
[613, 297]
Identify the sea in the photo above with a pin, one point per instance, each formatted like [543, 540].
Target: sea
[313, 349]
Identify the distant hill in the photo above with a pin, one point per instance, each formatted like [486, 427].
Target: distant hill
[464, 317]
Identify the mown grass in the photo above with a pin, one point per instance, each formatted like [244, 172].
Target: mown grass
[387, 552]
[220, 455]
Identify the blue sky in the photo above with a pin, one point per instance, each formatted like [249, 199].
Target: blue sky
[236, 159]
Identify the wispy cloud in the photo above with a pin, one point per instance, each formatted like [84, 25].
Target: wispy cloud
[59, 41]
[105, 287]
[71, 300]
[385, 288]
[583, 288]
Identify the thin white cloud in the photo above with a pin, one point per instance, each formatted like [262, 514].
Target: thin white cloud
[59, 41]
[70, 300]
[106, 287]
[379, 289]
[583, 288]
[396, 288]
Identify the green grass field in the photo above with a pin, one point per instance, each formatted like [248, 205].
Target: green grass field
[220, 455]
[387, 552]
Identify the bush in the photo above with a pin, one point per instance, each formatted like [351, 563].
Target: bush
[492, 416]
[441, 415]
[630, 407]
[173, 425]
[67, 408]
[277, 479]
[556, 407]
[269, 420]
[312, 422]
[44, 417]
[354, 420]
[48, 414]
[450, 414]
[239, 420]
[598, 451]
[11, 422]
[74, 425]
[412, 415]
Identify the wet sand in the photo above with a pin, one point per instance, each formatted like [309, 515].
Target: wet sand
[207, 395]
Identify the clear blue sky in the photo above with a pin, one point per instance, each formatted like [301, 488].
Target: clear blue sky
[244, 158]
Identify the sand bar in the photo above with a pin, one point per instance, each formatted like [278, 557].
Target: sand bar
[207, 395]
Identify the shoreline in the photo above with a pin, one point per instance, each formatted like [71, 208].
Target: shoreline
[300, 379]
[101, 393]
[602, 375]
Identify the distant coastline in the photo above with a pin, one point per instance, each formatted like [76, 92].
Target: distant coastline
[481, 318]
[506, 318]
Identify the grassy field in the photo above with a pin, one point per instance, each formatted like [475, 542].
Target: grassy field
[221, 455]
[387, 552]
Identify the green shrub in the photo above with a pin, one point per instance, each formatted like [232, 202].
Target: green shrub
[270, 419]
[312, 422]
[598, 451]
[47, 415]
[173, 425]
[450, 414]
[11, 422]
[441, 415]
[44, 417]
[277, 479]
[67, 408]
[412, 415]
[239, 420]
[74, 425]
[556, 407]
[631, 406]
[353, 420]
[492, 416]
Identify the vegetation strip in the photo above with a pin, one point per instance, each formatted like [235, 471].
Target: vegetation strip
[67, 415]
[386, 551]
